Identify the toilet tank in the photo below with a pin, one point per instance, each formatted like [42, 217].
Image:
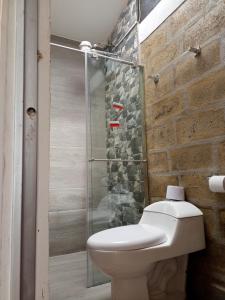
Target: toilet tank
[176, 209]
[181, 221]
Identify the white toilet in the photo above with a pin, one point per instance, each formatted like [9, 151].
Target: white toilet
[167, 229]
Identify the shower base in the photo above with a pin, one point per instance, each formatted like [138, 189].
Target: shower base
[67, 279]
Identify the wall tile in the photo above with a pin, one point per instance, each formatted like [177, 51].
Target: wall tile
[158, 162]
[208, 89]
[162, 136]
[67, 231]
[67, 153]
[200, 126]
[168, 107]
[193, 157]
[67, 199]
[67, 136]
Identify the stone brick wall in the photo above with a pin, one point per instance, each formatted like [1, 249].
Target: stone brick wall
[128, 47]
[126, 181]
[185, 116]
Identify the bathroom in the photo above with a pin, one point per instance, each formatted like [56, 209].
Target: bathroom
[118, 183]
[184, 128]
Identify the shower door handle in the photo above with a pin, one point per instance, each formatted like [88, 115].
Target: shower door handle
[117, 160]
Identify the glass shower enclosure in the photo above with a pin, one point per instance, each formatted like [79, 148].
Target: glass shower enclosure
[116, 152]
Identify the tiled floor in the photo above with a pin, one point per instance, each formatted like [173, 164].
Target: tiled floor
[67, 276]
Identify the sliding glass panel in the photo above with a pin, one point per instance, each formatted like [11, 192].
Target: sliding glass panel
[116, 147]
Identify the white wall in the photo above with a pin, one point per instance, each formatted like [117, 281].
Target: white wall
[11, 88]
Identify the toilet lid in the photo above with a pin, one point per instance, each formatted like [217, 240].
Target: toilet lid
[129, 237]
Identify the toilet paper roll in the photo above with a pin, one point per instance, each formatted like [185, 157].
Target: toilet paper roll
[217, 184]
[175, 193]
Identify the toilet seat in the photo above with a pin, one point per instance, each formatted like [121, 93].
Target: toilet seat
[131, 237]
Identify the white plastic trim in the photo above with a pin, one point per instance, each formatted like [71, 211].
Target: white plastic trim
[156, 17]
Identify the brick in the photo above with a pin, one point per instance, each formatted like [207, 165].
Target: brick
[222, 222]
[158, 162]
[197, 190]
[156, 199]
[153, 43]
[153, 92]
[184, 14]
[147, 117]
[168, 107]
[158, 185]
[161, 136]
[222, 50]
[209, 89]
[211, 263]
[190, 67]
[221, 153]
[150, 96]
[211, 24]
[194, 157]
[216, 257]
[164, 57]
[210, 223]
[200, 125]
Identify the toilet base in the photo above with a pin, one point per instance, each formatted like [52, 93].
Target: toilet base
[165, 281]
[130, 288]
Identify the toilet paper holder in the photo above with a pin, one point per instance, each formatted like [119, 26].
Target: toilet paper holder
[217, 183]
[214, 174]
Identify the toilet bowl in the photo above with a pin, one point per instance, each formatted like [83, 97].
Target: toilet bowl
[167, 229]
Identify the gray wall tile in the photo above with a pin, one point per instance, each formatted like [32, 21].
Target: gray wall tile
[67, 231]
[67, 205]
[67, 199]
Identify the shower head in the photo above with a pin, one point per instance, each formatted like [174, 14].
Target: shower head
[85, 46]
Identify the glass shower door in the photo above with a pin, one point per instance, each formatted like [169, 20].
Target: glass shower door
[117, 186]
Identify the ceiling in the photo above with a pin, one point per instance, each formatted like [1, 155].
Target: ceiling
[91, 20]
